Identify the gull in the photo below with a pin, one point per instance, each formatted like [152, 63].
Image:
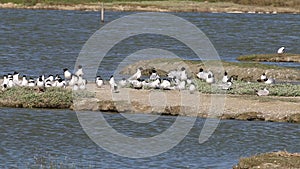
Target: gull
[79, 71]
[183, 75]
[99, 81]
[24, 81]
[16, 78]
[154, 75]
[67, 74]
[281, 50]
[165, 84]
[113, 85]
[31, 82]
[192, 88]
[225, 77]
[123, 83]
[137, 75]
[263, 92]
[269, 81]
[210, 79]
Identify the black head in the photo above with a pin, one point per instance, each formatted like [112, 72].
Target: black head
[79, 66]
[182, 69]
[123, 78]
[60, 80]
[225, 73]
[209, 75]
[15, 73]
[200, 70]
[263, 74]
[24, 75]
[153, 71]
[65, 69]
[111, 76]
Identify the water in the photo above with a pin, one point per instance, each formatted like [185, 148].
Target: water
[32, 135]
[36, 42]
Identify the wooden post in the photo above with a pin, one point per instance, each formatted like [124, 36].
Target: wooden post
[102, 12]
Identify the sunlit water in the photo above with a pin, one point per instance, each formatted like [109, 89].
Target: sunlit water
[29, 136]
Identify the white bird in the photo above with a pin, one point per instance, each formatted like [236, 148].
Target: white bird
[113, 85]
[183, 74]
[4, 83]
[75, 87]
[203, 75]
[263, 77]
[48, 83]
[181, 85]
[165, 84]
[225, 77]
[99, 81]
[154, 75]
[269, 81]
[137, 75]
[210, 79]
[31, 82]
[123, 83]
[67, 74]
[16, 79]
[61, 83]
[136, 84]
[50, 77]
[154, 84]
[79, 71]
[24, 81]
[263, 92]
[174, 74]
[281, 50]
[40, 83]
[74, 80]
[192, 88]
[226, 86]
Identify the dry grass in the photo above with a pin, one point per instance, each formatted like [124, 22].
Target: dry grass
[287, 57]
[279, 160]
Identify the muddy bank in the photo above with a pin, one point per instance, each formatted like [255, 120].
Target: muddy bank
[281, 159]
[286, 57]
[160, 6]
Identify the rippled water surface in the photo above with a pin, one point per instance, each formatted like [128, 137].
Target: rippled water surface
[32, 137]
[36, 42]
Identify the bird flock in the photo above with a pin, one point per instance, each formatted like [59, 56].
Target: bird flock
[174, 80]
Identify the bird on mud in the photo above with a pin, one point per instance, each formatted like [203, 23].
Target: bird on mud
[264, 92]
[99, 81]
[113, 85]
[137, 75]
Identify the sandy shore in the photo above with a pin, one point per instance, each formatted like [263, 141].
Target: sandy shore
[162, 6]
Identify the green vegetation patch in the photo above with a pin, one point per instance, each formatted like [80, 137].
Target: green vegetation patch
[280, 159]
[33, 98]
[287, 57]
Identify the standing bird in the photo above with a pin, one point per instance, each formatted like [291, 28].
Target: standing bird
[137, 75]
[154, 75]
[79, 71]
[99, 81]
[281, 50]
[24, 81]
[225, 77]
[16, 78]
[67, 74]
[264, 92]
[113, 85]
[183, 74]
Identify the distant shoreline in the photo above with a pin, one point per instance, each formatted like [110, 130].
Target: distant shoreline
[160, 6]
